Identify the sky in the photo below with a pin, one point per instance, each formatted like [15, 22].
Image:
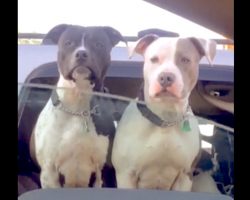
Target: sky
[127, 16]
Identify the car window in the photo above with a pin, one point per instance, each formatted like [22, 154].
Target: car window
[217, 139]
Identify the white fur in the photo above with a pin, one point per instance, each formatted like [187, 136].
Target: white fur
[203, 182]
[146, 156]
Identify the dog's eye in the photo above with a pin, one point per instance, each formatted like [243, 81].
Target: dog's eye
[185, 60]
[154, 59]
[99, 45]
[68, 43]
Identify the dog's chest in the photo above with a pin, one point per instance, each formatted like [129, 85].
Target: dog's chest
[165, 147]
[148, 145]
[54, 126]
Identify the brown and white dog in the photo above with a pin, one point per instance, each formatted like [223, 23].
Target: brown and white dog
[65, 142]
[156, 145]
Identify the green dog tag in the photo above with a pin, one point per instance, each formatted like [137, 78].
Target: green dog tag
[186, 126]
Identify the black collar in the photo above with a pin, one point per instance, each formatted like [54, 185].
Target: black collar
[155, 119]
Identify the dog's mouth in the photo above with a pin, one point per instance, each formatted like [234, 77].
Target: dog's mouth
[165, 93]
[173, 92]
[81, 71]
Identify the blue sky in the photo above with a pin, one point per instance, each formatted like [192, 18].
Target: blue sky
[128, 16]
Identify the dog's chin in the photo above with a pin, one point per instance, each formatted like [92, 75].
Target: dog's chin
[83, 77]
[84, 85]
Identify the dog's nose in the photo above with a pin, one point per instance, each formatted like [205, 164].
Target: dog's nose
[82, 54]
[166, 79]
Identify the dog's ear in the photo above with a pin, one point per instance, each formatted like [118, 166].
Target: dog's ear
[141, 45]
[114, 35]
[54, 34]
[205, 48]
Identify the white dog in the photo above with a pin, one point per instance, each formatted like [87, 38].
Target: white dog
[156, 145]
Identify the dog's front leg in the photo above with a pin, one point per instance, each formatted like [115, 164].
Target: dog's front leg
[182, 183]
[126, 180]
[98, 182]
[49, 177]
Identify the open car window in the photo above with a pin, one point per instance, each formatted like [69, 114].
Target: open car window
[217, 139]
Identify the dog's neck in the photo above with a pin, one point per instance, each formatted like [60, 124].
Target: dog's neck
[73, 97]
[167, 109]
